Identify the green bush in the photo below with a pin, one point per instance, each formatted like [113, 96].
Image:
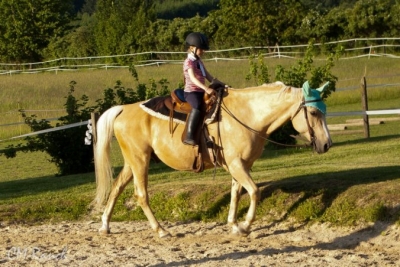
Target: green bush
[302, 71]
[65, 147]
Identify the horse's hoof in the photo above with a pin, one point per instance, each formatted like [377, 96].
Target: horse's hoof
[163, 234]
[239, 230]
[104, 231]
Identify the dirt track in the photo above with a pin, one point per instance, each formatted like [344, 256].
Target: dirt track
[198, 244]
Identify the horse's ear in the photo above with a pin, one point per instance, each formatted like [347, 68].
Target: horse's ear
[323, 87]
[306, 89]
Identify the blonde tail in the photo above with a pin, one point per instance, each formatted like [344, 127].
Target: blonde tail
[104, 173]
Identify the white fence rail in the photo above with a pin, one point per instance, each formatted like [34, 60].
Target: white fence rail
[359, 47]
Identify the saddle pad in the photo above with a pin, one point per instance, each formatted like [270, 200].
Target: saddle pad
[157, 108]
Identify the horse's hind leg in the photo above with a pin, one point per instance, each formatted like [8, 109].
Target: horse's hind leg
[140, 182]
[124, 177]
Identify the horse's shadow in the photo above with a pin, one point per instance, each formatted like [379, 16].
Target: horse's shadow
[346, 242]
[327, 185]
[351, 241]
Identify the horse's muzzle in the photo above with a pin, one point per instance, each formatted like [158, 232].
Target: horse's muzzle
[321, 148]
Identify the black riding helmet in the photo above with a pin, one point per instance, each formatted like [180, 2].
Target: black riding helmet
[198, 40]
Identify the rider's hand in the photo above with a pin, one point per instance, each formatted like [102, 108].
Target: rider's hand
[216, 84]
[209, 91]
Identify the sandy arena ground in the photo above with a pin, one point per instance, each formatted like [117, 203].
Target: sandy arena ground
[198, 244]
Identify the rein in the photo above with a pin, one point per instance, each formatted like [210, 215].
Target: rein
[301, 106]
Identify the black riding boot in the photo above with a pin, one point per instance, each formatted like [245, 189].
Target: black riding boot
[192, 122]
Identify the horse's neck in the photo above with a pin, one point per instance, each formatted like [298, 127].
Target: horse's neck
[263, 110]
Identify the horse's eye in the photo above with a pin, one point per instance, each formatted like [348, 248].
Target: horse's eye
[313, 113]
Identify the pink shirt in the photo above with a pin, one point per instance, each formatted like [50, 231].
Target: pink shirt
[199, 72]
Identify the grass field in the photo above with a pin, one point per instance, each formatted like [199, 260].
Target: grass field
[357, 181]
[45, 92]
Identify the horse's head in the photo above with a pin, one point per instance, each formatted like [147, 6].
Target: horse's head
[309, 119]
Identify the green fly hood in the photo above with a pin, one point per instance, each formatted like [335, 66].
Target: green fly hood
[313, 98]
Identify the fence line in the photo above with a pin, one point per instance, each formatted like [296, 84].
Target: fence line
[54, 129]
[107, 66]
[277, 51]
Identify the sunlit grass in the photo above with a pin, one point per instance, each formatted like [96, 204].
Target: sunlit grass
[355, 182]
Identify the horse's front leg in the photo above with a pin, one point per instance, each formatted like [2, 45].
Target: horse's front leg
[124, 177]
[243, 179]
[235, 197]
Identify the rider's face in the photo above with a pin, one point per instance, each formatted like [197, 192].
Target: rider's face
[200, 52]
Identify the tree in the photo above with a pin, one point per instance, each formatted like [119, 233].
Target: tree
[319, 5]
[89, 7]
[257, 22]
[77, 42]
[394, 29]
[171, 34]
[324, 28]
[369, 18]
[170, 9]
[28, 25]
[121, 24]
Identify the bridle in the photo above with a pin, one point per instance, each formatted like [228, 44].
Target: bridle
[302, 106]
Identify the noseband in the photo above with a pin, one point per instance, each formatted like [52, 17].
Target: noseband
[303, 107]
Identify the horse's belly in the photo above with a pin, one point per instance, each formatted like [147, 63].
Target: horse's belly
[179, 158]
[171, 150]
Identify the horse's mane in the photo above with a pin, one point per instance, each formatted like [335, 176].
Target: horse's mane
[293, 92]
[282, 89]
[266, 86]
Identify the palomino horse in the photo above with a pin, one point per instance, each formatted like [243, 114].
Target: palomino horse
[247, 117]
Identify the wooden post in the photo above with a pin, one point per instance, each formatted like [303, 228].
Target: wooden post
[279, 52]
[364, 100]
[93, 118]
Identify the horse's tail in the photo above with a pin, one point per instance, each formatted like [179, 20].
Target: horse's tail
[104, 173]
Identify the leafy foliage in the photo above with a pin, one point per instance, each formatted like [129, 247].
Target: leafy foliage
[27, 27]
[256, 22]
[121, 24]
[170, 9]
[258, 70]
[295, 76]
[304, 70]
[44, 30]
[62, 146]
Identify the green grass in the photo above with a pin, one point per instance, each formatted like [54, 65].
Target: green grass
[357, 181]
